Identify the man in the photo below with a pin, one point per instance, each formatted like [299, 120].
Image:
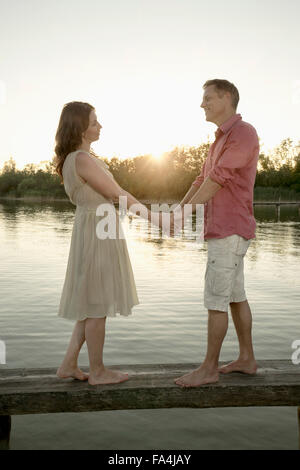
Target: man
[225, 186]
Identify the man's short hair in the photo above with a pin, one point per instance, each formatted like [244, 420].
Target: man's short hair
[222, 86]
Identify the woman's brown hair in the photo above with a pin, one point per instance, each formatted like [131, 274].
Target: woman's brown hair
[74, 120]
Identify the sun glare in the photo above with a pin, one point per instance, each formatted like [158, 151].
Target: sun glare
[157, 155]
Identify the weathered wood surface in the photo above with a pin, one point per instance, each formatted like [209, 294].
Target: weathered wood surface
[5, 427]
[29, 391]
[298, 414]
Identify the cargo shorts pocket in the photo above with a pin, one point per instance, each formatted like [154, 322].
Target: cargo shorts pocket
[239, 245]
[218, 278]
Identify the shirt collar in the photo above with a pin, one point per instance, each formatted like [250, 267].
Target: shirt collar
[227, 125]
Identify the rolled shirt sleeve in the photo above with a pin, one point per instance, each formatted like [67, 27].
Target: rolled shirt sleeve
[239, 150]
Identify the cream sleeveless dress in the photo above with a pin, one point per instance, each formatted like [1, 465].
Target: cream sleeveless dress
[99, 281]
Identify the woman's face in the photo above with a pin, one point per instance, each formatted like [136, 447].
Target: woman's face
[93, 131]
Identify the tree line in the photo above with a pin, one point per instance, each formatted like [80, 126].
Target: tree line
[167, 178]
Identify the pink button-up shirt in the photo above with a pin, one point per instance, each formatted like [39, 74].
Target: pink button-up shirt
[231, 162]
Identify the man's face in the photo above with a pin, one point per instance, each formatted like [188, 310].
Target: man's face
[214, 105]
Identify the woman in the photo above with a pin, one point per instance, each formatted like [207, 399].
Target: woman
[99, 280]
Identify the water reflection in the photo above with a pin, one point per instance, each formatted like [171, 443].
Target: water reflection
[169, 325]
[59, 214]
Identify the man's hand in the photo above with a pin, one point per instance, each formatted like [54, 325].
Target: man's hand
[207, 190]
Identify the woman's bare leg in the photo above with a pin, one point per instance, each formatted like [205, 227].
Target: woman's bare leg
[69, 367]
[95, 336]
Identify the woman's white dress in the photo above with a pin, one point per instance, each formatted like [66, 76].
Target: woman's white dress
[99, 281]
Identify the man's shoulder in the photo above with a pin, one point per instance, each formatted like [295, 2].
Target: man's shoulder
[244, 126]
[243, 129]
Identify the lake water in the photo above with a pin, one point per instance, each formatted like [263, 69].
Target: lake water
[169, 326]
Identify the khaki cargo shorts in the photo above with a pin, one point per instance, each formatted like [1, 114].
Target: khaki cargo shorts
[224, 275]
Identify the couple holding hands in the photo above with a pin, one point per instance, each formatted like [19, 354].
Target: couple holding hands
[99, 281]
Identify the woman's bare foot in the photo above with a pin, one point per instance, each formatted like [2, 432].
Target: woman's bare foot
[244, 366]
[75, 373]
[200, 376]
[107, 376]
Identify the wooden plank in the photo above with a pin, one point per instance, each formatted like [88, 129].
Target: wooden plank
[298, 414]
[5, 427]
[29, 391]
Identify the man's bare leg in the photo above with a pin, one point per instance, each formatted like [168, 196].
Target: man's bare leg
[242, 318]
[95, 336]
[69, 367]
[208, 371]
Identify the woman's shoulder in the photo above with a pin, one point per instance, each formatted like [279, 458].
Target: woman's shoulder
[100, 161]
[70, 160]
[83, 155]
[81, 152]
[80, 157]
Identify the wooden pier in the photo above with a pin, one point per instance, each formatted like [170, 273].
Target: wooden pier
[33, 391]
[278, 204]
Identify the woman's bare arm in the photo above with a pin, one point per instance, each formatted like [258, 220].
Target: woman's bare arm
[103, 184]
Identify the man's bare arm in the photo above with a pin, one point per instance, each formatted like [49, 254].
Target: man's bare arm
[207, 190]
[201, 194]
[191, 192]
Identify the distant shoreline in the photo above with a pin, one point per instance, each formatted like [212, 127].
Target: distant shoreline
[143, 201]
[47, 199]
[33, 198]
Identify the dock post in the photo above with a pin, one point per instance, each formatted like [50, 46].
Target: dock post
[5, 427]
[278, 212]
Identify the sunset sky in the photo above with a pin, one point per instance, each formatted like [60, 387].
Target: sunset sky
[142, 64]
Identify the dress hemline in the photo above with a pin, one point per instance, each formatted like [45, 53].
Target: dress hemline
[115, 314]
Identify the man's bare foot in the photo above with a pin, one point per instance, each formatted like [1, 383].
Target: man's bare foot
[200, 376]
[246, 367]
[107, 376]
[75, 373]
